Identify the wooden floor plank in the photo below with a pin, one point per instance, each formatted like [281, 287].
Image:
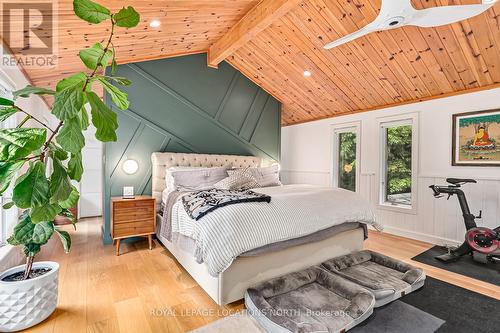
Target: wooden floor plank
[146, 290]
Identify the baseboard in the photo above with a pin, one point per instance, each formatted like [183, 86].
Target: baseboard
[420, 236]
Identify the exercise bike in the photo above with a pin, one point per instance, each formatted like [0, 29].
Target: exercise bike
[483, 243]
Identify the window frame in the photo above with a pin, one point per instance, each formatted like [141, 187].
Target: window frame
[5, 224]
[383, 124]
[336, 129]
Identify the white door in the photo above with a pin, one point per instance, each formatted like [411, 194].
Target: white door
[90, 203]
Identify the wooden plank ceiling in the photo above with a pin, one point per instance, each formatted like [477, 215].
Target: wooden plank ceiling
[187, 26]
[387, 68]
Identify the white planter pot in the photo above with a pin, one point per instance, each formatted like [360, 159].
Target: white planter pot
[26, 303]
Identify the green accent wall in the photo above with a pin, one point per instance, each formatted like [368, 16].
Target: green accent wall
[181, 105]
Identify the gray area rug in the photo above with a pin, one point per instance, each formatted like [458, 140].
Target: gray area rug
[395, 317]
[398, 317]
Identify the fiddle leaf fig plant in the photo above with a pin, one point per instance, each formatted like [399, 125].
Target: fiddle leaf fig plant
[52, 157]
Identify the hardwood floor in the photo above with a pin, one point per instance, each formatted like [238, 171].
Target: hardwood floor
[145, 290]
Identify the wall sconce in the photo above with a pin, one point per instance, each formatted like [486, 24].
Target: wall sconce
[130, 166]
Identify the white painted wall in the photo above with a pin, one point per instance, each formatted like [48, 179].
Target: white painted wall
[307, 153]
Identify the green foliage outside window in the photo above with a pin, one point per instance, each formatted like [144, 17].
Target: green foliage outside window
[399, 141]
[347, 161]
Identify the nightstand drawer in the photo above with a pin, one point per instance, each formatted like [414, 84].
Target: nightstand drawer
[130, 214]
[132, 229]
[134, 204]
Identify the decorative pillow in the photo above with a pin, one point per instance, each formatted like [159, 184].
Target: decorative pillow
[169, 179]
[267, 176]
[198, 179]
[240, 180]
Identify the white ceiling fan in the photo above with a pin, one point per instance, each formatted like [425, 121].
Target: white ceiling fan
[398, 13]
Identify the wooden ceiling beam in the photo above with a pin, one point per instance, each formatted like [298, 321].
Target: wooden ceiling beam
[256, 20]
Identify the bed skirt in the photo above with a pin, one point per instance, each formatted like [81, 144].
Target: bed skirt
[244, 272]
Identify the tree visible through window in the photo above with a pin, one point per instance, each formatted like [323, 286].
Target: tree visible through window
[398, 164]
[347, 161]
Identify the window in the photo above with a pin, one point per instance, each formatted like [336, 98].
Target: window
[398, 163]
[6, 217]
[346, 157]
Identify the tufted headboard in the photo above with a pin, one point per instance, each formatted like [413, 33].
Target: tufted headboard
[162, 161]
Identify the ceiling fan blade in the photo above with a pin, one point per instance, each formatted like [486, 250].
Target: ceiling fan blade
[437, 16]
[391, 8]
[360, 33]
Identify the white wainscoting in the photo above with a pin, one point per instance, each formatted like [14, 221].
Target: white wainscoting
[437, 221]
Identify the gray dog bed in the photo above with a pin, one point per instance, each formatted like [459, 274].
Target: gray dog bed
[312, 300]
[387, 278]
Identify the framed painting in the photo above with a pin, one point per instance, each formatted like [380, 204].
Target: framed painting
[476, 138]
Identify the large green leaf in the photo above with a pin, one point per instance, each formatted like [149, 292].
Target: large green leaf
[32, 188]
[68, 102]
[29, 90]
[16, 143]
[117, 96]
[67, 213]
[65, 239]
[75, 167]
[70, 81]
[58, 152]
[5, 101]
[90, 11]
[6, 112]
[7, 172]
[114, 65]
[118, 79]
[103, 119]
[127, 17]
[23, 230]
[60, 184]
[70, 137]
[72, 199]
[95, 56]
[31, 249]
[45, 212]
[42, 232]
[84, 119]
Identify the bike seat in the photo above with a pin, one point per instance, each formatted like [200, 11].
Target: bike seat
[456, 181]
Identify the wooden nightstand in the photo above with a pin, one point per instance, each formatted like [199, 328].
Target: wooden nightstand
[132, 218]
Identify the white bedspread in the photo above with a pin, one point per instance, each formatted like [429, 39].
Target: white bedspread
[294, 211]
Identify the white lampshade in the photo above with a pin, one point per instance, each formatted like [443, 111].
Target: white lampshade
[130, 166]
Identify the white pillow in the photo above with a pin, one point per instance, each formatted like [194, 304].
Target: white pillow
[198, 179]
[266, 176]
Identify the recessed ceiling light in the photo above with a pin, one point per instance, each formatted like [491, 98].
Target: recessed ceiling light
[154, 24]
[307, 73]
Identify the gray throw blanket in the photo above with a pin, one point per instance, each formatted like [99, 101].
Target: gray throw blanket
[200, 203]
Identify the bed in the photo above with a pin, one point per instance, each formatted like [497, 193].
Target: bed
[230, 284]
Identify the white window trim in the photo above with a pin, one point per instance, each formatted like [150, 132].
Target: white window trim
[11, 122]
[403, 119]
[335, 130]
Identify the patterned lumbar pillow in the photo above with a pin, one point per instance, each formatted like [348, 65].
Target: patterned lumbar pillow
[266, 176]
[238, 180]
